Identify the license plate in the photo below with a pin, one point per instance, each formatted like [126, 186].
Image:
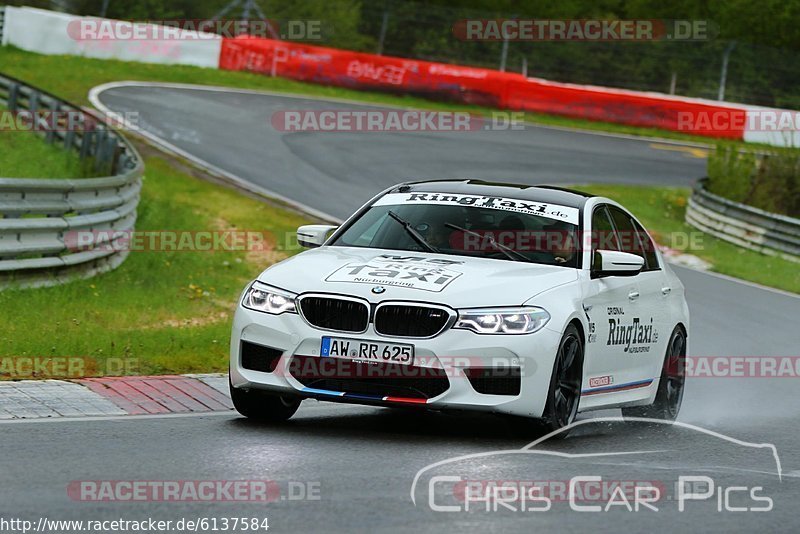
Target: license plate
[367, 351]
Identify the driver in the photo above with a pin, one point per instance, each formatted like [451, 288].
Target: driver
[559, 241]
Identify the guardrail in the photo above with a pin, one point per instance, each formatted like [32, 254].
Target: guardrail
[743, 225]
[37, 216]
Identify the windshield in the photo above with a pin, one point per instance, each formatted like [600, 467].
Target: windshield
[503, 229]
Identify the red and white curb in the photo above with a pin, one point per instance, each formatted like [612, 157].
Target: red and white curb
[114, 396]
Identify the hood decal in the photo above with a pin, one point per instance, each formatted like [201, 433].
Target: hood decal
[413, 272]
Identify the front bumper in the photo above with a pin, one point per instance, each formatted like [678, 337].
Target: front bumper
[453, 351]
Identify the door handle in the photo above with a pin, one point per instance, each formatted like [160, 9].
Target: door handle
[666, 290]
[633, 295]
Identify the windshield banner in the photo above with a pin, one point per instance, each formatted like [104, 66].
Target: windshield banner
[540, 209]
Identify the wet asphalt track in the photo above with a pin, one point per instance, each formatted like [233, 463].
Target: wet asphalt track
[365, 459]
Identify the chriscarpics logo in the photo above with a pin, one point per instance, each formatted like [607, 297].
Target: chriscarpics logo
[635, 336]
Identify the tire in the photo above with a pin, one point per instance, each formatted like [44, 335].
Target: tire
[263, 406]
[564, 394]
[669, 396]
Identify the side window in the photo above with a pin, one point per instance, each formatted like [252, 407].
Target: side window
[603, 237]
[647, 247]
[633, 238]
[626, 236]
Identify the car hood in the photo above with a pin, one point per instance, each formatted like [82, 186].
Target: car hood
[457, 281]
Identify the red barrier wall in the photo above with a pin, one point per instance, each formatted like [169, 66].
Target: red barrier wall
[627, 107]
[364, 71]
[484, 87]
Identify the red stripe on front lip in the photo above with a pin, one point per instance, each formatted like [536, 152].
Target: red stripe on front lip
[406, 400]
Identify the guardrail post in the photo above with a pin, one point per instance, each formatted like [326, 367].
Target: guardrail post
[86, 143]
[33, 102]
[2, 22]
[109, 153]
[116, 157]
[52, 121]
[100, 158]
[13, 95]
[69, 138]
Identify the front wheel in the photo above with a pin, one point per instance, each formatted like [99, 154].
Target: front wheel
[565, 383]
[670, 387]
[263, 406]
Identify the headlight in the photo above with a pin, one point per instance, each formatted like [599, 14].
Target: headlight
[267, 299]
[503, 320]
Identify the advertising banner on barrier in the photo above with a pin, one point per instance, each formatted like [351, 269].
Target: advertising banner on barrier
[484, 87]
[650, 110]
[365, 71]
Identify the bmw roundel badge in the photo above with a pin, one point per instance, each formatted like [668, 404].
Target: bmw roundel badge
[378, 290]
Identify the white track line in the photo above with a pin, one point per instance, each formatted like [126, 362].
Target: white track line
[307, 406]
[229, 413]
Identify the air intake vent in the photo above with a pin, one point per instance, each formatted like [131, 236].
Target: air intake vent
[495, 380]
[260, 358]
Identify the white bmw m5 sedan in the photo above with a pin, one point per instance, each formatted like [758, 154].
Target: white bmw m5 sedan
[537, 302]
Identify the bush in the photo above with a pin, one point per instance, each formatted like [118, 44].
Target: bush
[769, 179]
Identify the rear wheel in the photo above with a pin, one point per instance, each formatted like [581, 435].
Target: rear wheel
[669, 396]
[263, 406]
[565, 383]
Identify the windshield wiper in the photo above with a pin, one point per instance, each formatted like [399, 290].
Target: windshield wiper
[509, 252]
[413, 233]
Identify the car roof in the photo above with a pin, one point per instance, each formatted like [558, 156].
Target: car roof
[538, 193]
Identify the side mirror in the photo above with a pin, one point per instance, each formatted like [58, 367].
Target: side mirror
[616, 263]
[314, 235]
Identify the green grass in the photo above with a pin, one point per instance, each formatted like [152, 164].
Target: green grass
[662, 211]
[72, 77]
[769, 180]
[169, 312]
[26, 155]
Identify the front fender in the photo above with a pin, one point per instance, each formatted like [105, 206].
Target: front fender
[564, 304]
